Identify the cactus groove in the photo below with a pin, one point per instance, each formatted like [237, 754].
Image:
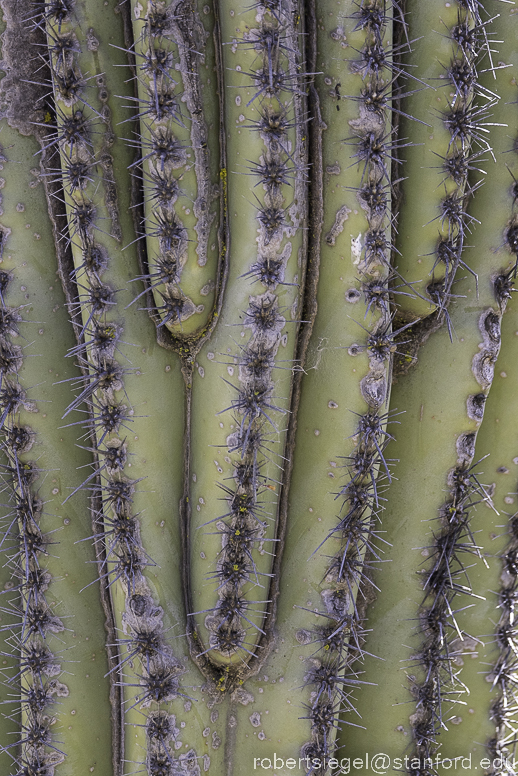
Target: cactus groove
[258, 436]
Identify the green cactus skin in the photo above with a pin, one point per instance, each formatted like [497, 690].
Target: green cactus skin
[74, 644]
[247, 452]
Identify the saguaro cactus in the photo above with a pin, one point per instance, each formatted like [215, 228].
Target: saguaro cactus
[257, 389]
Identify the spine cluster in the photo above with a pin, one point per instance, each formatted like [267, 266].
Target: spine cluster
[24, 545]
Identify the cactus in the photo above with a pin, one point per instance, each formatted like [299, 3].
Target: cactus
[257, 387]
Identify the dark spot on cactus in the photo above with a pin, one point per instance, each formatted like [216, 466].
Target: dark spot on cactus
[115, 457]
[174, 308]
[164, 189]
[109, 418]
[375, 198]
[375, 97]
[466, 446]
[37, 699]
[100, 298]
[168, 230]
[324, 717]
[447, 253]
[228, 640]
[453, 213]
[498, 711]
[161, 104]
[165, 149]
[124, 532]
[37, 734]
[35, 582]
[82, 220]
[273, 173]
[267, 271]
[19, 439]
[160, 685]
[456, 166]
[475, 406]
[263, 314]
[506, 637]
[374, 151]
[377, 295]
[463, 75]
[106, 376]
[117, 494]
[157, 62]
[440, 295]
[271, 80]
[9, 319]
[491, 325]
[235, 572]
[58, 11]
[68, 85]
[12, 397]
[95, 260]
[38, 661]
[352, 295]
[434, 620]
[512, 239]
[466, 37]
[39, 620]
[161, 764]
[62, 49]
[507, 600]
[381, 343]
[138, 605]
[160, 726]
[5, 277]
[272, 221]
[33, 541]
[372, 17]
[374, 60]
[144, 644]
[128, 568]
[256, 363]
[273, 125]
[157, 23]
[377, 247]
[503, 285]
[465, 123]
[77, 175]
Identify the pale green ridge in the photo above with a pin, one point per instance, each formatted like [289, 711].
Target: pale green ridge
[83, 727]
[421, 223]
[182, 33]
[212, 464]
